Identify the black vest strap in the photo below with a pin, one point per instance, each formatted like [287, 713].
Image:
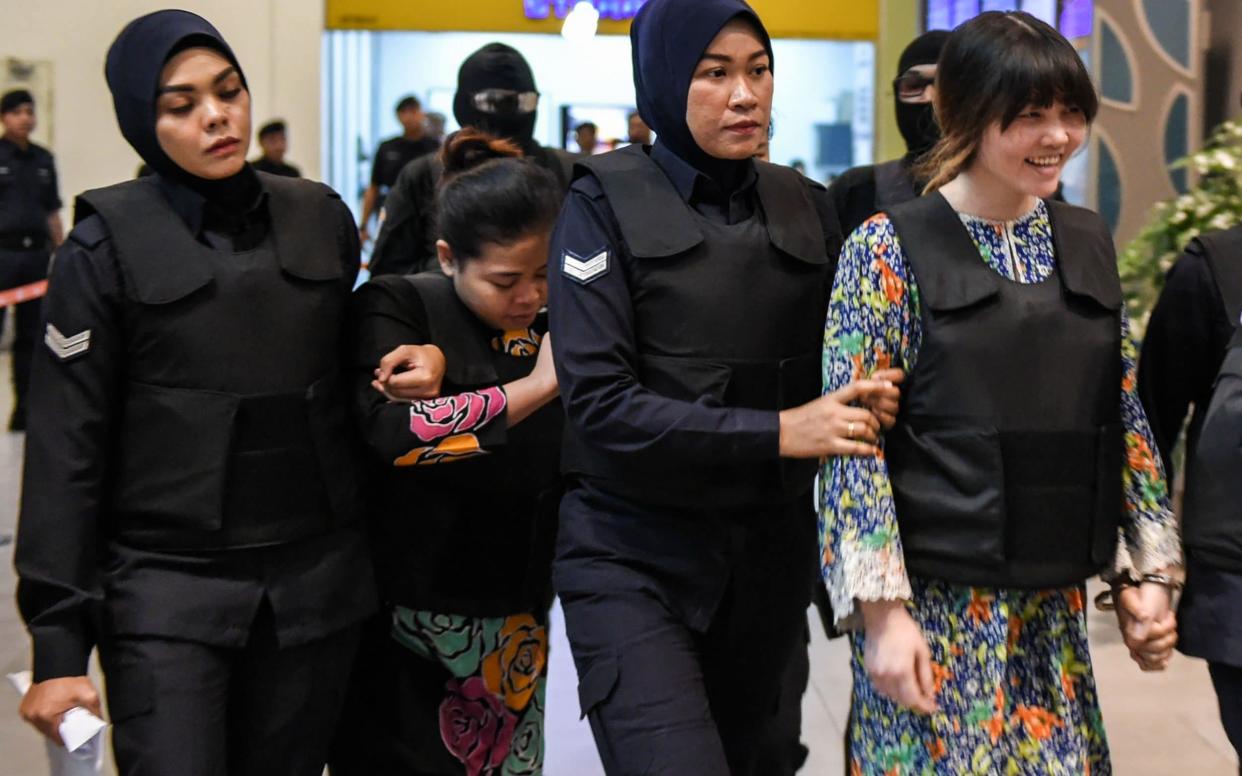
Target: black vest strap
[302, 220]
[656, 223]
[454, 328]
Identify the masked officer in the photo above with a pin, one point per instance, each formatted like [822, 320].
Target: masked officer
[1191, 356]
[688, 287]
[29, 228]
[496, 94]
[189, 502]
[861, 192]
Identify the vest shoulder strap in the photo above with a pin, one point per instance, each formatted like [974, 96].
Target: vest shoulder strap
[1224, 254]
[941, 254]
[1086, 256]
[454, 329]
[793, 223]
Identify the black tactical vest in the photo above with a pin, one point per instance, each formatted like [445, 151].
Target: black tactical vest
[1006, 460]
[1212, 523]
[726, 315]
[893, 185]
[473, 536]
[234, 429]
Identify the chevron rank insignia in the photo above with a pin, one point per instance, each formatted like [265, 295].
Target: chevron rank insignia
[584, 270]
[64, 347]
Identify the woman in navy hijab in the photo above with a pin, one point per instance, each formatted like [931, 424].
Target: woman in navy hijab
[189, 504]
[688, 288]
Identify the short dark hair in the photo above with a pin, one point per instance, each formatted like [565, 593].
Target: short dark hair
[272, 128]
[586, 125]
[992, 68]
[14, 99]
[408, 102]
[490, 195]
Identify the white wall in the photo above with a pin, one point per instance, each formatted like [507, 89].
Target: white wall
[276, 41]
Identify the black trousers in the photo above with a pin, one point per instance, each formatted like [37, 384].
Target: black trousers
[665, 697]
[179, 708]
[18, 268]
[1227, 680]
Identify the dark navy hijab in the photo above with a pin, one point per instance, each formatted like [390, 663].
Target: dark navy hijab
[669, 37]
[132, 70]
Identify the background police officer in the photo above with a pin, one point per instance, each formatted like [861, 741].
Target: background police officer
[274, 140]
[29, 228]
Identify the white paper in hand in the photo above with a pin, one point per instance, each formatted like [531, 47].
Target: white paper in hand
[82, 732]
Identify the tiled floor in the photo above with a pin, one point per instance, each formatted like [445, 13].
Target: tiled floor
[1158, 724]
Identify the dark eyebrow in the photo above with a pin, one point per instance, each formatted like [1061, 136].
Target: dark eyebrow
[727, 59]
[225, 73]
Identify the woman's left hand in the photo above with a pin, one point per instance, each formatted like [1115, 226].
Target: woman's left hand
[410, 373]
[1148, 624]
[885, 403]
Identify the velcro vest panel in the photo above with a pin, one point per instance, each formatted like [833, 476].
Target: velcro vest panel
[234, 430]
[724, 315]
[1006, 459]
[1212, 522]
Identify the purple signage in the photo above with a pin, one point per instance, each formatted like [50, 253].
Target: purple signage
[615, 10]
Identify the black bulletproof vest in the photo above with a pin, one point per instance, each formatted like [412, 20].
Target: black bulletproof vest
[724, 315]
[893, 185]
[473, 536]
[234, 429]
[1006, 460]
[1212, 523]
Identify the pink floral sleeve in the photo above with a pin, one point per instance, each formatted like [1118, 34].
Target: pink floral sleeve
[447, 429]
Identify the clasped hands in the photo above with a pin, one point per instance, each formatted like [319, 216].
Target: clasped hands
[1148, 623]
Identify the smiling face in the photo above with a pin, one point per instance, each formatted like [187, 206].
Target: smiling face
[202, 117]
[730, 98]
[1030, 154]
[505, 286]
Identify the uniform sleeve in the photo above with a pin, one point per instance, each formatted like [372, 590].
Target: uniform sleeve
[421, 433]
[596, 353]
[74, 401]
[1149, 538]
[52, 201]
[1182, 349]
[376, 164]
[872, 324]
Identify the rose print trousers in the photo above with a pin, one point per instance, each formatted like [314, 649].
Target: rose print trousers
[682, 626]
[179, 707]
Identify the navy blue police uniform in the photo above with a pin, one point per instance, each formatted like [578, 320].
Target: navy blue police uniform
[684, 319]
[28, 197]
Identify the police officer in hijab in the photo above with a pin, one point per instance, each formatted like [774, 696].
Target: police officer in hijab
[688, 286]
[864, 191]
[496, 93]
[189, 505]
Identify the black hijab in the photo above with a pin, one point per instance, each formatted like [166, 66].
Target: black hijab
[669, 38]
[918, 122]
[495, 66]
[132, 70]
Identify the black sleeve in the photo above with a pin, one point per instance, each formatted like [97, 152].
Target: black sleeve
[51, 202]
[377, 171]
[388, 313]
[834, 239]
[597, 360]
[1183, 348]
[75, 395]
[405, 241]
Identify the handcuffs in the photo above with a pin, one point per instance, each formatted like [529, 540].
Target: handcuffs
[1106, 601]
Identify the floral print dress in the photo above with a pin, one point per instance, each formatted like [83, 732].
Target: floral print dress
[494, 668]
[1012, 673]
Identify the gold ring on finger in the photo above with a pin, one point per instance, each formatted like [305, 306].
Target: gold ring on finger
[849, 430]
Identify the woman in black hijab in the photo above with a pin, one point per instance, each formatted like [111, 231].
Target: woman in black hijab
[688, 286]
[189, 499]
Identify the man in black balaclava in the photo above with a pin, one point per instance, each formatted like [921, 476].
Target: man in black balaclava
[861, 192]
[495, 93]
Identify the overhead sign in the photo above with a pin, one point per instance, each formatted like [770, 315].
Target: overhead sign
[615, 10]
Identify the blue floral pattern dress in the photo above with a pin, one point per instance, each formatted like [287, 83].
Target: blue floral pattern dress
[1012, 672]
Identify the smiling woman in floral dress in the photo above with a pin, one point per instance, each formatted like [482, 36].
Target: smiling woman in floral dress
[451, 681]
[1021, 462]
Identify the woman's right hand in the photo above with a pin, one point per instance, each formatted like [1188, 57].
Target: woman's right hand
[410, 373]
[896, 656]
[830, 426]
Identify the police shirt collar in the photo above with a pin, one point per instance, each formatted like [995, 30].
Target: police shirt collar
[190, 206]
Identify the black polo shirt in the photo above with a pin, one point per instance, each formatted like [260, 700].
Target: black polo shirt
[28, 189]
[394, 154]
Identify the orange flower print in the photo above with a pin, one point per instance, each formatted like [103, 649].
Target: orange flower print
[1037, 722]
[1074, 599]
[1015, 630]
[940, 675]
[937, 749]
[894, 287]
[1140, 456]
[980, 607]
[1128, 381]
[1067, 684]
[513, 670]
[882, 359]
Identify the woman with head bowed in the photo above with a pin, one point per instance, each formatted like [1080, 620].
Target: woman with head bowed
[1021, 462]
[451, 679]
[190, 505]
[688, 287]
